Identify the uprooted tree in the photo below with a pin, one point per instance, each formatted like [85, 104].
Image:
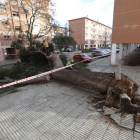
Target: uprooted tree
[120, 93]
[39, 22]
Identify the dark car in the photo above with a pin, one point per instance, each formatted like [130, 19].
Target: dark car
[82, 56]
[100, 53]
[92, 48]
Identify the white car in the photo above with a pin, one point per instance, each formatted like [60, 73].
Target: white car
[69, 50]
[56, 51]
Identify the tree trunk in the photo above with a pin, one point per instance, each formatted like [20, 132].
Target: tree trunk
[45, 78]
[100, 82]
[96, 81]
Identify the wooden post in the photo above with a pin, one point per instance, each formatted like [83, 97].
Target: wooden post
[118, 73]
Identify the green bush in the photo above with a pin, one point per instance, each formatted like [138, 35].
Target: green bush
[4, 73]
[51, 47]
[81, 66]
[63, 59]
[22, 70]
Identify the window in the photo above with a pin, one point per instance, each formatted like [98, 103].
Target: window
[46, 38]
[17, 28]
[15, 13]
[26, 11]
[5, 22]
[19, 41]
[45, 26]
[44, 15]
[2, 6]
[36, 24]
[26, 24]
[78, 55]
[7, 37]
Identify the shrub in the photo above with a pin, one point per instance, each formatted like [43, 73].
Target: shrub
[81, 66]
[4, 73]
[51, 47]
[63, 59]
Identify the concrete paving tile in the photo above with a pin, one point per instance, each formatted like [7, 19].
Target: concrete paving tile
[116, 117]
[43, 112]
[127, 121]
[99, 129]
[137, 127]
[108, 111]
[112, 132]
[136, 135]
[125, 134]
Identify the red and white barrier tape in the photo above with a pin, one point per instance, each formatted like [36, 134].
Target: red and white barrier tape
[46, 73]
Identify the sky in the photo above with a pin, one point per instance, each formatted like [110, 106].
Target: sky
[98, 10]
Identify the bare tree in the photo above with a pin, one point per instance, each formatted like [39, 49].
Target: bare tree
[40, 20]
[105, 37]
[67, 31]
[62, 30]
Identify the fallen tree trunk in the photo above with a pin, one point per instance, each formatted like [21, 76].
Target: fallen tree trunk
[45, 78]
[100, 82]
[96, 81]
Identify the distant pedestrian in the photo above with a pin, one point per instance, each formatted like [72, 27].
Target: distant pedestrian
[69, 63]
[43, 48]
[46, 46]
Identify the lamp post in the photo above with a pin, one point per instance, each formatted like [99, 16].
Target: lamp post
[82, 40]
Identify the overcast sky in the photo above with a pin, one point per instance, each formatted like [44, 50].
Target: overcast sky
[101, 10]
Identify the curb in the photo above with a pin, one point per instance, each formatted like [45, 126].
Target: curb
[97, 61]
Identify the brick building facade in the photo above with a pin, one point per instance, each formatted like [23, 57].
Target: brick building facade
[90, 33]
[12, 20]
[126, 28]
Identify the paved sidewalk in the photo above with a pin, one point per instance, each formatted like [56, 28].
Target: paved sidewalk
[60, 111]
[56, 111]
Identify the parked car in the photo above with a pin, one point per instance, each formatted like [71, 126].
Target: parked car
[108, 47]
[108, 50]
[117, 49]
[82, 56]
[62, 50]
[92, 48]
[99, 53]
[5, 53]
[69, 50]
[56, 51]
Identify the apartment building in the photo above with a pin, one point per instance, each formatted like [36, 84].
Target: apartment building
[13, 19]
[126, 28]
[90, 33]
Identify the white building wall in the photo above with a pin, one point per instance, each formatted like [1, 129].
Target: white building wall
[1, 55]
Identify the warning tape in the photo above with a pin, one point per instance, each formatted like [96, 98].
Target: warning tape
[46, 73]
[11, 54]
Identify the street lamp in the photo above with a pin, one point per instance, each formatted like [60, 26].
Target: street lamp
[82, 40]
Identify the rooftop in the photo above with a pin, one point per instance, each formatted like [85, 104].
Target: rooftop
[91, 20]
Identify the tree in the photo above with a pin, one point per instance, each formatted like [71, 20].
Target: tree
[67, 31]
[39, 15]
[62, 41]
[39, 21]
[106, 37]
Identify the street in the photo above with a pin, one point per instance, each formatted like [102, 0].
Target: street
[70, 56]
